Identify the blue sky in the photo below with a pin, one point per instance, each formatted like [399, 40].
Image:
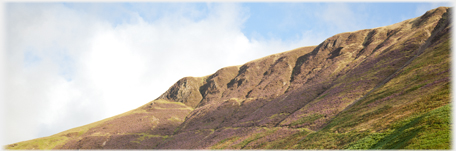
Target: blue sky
[270, 19]
[70, 64]
[286, 20]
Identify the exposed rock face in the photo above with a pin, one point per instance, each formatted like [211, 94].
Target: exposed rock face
[361, 83]
[216, 84]
[186, 91]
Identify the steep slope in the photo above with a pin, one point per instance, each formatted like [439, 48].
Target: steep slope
[386, 87]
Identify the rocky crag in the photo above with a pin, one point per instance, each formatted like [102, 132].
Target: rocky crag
[381, 88]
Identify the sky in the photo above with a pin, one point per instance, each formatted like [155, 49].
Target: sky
[70, 64]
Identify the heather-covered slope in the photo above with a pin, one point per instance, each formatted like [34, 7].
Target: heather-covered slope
[380, 88]
[140, 128]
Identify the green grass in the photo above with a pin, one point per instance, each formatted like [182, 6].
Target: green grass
[161, 101]
[225, 142]
[437, 56]
[328, 140]
[376, 112]
[175, 119]
[412, 117]
[288, 142]
[307, 119]
[40, 143]
[257, 136]
[412, 79]
[229, 142]
[248, 140]
[323, 96]
[144, 135]
[278, 114]
[428, 131]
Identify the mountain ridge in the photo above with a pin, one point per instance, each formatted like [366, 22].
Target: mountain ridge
[296, 99]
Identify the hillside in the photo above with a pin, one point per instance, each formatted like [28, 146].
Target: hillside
[381, 88]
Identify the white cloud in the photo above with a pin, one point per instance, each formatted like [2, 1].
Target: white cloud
[339, 16]
[81, 68]
[37, 90]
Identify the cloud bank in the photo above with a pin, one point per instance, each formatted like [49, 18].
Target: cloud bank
[67, 67]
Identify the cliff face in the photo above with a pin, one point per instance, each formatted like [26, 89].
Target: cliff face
[385, 87]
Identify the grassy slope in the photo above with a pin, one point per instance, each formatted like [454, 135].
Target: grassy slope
[411, 111]
[61, 138]
[419, 109]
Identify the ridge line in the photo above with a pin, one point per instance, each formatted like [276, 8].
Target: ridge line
[397, 72]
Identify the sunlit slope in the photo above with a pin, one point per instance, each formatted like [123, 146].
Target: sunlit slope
[381, 88]
[410, 111]
[136, 129]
